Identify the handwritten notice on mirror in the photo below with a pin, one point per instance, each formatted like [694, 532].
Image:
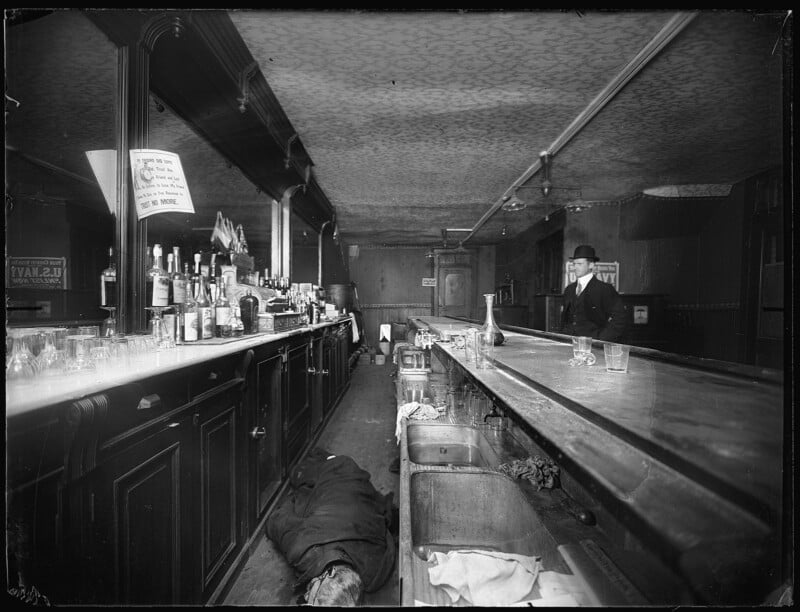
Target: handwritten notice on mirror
[159, 185]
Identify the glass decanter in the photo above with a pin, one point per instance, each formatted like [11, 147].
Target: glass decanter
[490, 325]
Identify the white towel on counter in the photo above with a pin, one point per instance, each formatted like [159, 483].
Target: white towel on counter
[484, 578]
[413, 410]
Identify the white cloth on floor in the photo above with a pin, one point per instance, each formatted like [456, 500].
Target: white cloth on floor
[354, 326]
[413, 410]
[484, 578]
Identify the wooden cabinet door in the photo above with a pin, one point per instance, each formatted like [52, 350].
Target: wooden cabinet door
[296, 409]
[138, 508]
[219, 502]
[316, 376]
[329, 367]
[267, 431]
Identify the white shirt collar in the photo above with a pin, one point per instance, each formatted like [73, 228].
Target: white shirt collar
[584, 280]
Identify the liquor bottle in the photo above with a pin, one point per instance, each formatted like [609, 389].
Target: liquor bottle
[195, 280]
[156, 281]
[211, 284]
[170, 272]
[190, 321]
[248, 309]
[237, 327]
[178, 278]
[212, 279]
[223, 314]
[108, 282]
[204, 310]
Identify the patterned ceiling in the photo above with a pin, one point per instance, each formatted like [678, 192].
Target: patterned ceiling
[419, 121]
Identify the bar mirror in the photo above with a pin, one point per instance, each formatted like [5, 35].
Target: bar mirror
[61, 160]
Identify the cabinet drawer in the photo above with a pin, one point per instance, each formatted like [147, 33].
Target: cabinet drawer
[212, 374]
[131, 407]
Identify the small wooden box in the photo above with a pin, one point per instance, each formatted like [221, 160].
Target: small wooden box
[277, 322]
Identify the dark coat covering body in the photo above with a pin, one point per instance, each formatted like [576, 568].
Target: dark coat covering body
[334, 514]
[597, 312]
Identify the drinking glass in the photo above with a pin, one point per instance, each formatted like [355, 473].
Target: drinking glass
[616, 357]
[582, 351]
[89, 330]
[20, 367]
[79, 358]
[484, 354]
[470, 345]
[51, 361]
[100, 352]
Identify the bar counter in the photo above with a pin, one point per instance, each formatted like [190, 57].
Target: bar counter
[44, 391]
[689, 459]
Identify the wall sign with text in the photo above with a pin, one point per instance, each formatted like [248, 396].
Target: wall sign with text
[606, 271]
[159, 184]
[36, 272]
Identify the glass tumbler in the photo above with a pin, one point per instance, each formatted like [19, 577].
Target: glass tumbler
[20, 367]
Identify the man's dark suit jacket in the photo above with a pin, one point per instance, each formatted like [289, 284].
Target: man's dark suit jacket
[605, 312]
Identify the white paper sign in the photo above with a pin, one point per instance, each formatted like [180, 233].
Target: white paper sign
[159, 184]
[428, 282]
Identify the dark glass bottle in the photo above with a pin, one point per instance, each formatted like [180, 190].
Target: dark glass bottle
[248, 306]
[108, 282]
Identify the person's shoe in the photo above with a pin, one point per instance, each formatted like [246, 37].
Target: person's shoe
[394, 466]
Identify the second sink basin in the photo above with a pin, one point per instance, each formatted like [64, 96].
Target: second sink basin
[447, 444]
[473, 510]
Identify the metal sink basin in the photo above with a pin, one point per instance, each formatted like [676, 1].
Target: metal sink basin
[473, 510]
[447, 444]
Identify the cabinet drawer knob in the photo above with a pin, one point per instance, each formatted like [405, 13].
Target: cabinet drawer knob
[312, 370]
[258, 432]
[213, 375]
[324, 372]
[149, 401]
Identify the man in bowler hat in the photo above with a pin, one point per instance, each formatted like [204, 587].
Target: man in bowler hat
[591, 306]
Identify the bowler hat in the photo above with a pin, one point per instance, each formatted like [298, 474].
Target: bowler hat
[584, 251]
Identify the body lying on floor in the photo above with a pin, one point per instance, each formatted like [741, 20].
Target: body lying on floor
[335, 530]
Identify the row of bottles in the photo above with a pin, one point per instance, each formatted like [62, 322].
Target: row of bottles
[199, 299]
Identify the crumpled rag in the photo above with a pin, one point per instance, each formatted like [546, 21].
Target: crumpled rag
[484, 578]
[413, 410]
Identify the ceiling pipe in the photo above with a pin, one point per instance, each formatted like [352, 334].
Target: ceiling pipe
[670, 30]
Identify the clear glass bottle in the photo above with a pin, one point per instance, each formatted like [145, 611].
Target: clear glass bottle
[189, 319]
[157, 282]
[108, 282]
[196, 276]
[204, 310]
[223, 314]
[489, 325]
[237, 326]
[178, 278]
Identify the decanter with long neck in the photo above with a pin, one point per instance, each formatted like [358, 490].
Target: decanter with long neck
[490, 325]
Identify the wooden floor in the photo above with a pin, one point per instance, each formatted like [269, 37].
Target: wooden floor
[362, 427]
